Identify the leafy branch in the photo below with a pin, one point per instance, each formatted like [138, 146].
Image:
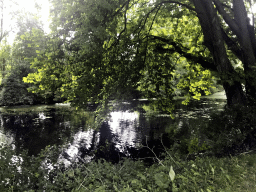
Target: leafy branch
[179, 3]
[204, 62]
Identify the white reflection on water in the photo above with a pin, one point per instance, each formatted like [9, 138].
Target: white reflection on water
[83, 138]
[41, 115]
[5, 139]
[123, 124]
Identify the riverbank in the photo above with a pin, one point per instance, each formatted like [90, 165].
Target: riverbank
[172, 173]
[217, 95]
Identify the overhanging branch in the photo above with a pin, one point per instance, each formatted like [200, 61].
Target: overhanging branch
[232, 45]
[179, 3]
[184, 52]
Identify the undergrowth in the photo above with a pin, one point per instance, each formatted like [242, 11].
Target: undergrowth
[173, 173]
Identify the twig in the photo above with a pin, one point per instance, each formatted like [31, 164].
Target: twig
[160, 162]
[168, 152]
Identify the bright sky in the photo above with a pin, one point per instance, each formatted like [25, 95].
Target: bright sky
[27, 5]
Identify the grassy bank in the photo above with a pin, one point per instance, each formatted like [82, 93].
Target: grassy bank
[173, 173]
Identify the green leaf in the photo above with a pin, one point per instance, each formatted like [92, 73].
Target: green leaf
[172, 174]
[191, 49]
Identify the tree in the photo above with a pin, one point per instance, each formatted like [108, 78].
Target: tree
[30, 38]
[108, 48]
[5, 29]
[214, 37]
[61, 66]
[5, 57]
[13, 84]
[29, 41]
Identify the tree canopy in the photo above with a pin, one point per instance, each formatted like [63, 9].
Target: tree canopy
[105, 49]
[15, 62]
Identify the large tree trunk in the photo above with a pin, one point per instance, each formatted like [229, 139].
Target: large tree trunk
[246, 39]
[213, 39]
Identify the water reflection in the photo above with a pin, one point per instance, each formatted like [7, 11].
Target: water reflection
[33, 130]
[124, 134]
[123, 125]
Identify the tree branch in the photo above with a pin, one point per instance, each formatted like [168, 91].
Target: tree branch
[124, 29]
[180, 49]
[232, 45]
[179, 3]
[121, 8]
[231, 22]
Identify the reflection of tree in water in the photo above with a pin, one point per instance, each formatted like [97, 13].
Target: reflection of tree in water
[112, 143]
[149, 131]
[123, 135]
[107, 145]
[35, 131]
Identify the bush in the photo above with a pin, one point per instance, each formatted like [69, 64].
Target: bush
[170, 174]
[232, 131]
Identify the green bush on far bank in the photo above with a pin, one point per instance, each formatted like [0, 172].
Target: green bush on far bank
[14, 90]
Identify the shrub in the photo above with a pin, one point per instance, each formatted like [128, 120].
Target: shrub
[168, 174]
[233, 130]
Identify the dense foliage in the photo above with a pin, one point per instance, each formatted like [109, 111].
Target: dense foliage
[14, 90]
[173, 173]
[96, 55]
[107, 49]
[15, 63]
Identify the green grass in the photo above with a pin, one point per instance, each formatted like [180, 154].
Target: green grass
[236, 173]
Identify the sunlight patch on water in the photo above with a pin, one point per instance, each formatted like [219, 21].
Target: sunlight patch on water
[123, 125]
[41, 115]
[72, 152]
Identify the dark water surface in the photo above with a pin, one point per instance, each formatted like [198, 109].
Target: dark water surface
[124, 134]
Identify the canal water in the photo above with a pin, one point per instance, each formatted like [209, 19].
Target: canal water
[126, 133]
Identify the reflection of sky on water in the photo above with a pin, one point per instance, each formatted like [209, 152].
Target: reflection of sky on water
[122, 124]
[41, 115]
[5, 137]
[71, 154]
[122, 127]
[124, 130]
